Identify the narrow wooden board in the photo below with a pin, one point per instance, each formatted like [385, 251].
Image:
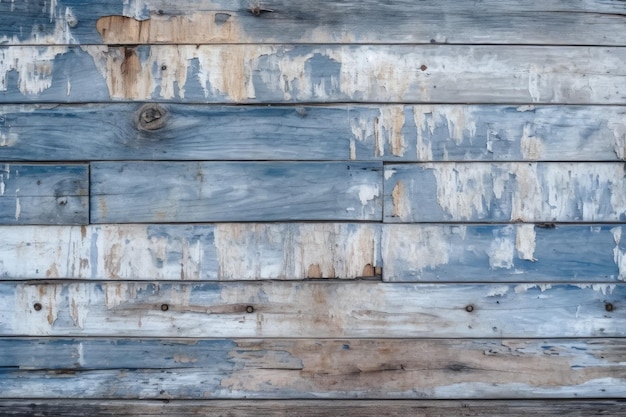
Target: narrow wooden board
[504, 253]
[390, 132]
[314, 74]
[361, 309]
[286, 369]
[243, 251]
[314, 408]
[502, 192]
[128, 192]
[43, 194]
[281, 21]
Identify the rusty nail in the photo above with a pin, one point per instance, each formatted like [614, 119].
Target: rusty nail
[608, 307]
[164, 307]
[163, 67]
[469, 308]
[423, 67]
[249, 309]
[37, 306]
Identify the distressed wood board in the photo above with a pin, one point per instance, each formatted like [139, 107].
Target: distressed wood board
[314, 74]
[339, 369]
[361, 309]
[41, 132]
[225, 251]
[501, 253]
[44, 194]
[315, 408]
[130, 192]
[327, 21]
[503, 192]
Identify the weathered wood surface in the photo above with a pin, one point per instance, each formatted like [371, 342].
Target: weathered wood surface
[314, 74]
[311, 309]
[127, 192]
[330, 21]
[529, 192]
[239, 251]
[389, 132]
[44, 194]
[340, 369]
[502, 253]
[314, 408]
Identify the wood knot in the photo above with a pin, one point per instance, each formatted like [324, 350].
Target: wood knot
[151, 117]
[609, 307]
[37, 306]
[469, 308]
[165, 307]
[249, 309]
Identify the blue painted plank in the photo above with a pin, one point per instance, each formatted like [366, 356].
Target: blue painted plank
[43, 194]
[503, 192]
[388, 132]
[314, 74]
[504, 253]
[126, 192]
[358, 309]
[292, 368]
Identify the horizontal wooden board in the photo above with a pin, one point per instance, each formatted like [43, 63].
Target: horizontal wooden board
[529, 192]
[527, 252]
[314, 74]
[43, 194]
[127, 192]
[242, 21]
[389, 132]
[240, 251]
[314, 408]
[311, 309]
[339, 369]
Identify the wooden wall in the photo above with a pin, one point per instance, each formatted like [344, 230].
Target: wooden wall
[327, 207]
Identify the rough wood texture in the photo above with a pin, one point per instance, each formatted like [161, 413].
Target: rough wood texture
[234, 191]
[282, 21]
[389, 132]
[528, 252]
[43, 194]
[320, 74]
[192, 252]
[314, 408]
[312, 309]
[529, 192]
[341, 369]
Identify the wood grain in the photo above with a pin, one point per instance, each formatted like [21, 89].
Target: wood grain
[389, 132]
[312, 310]
[287, 368]
[503, 253]
[281, 21]
[503, 192]
[43, 194]
[314, 74]
[225, 251]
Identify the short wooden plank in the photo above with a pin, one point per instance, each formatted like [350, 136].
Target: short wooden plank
[544, 252]
[127, 192]
[529, 192]
[339, 369]
[243, 251]
[388, 132]
[314, 74]
[314, 408]
[43, 194]
[312, 309]
[279, 21]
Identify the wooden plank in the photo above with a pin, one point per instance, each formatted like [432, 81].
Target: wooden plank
[504, 253]
[43, 194]
[311, 309]
[127, 192]
[314, 408]
[529, 192]
[389, 132]
[281, 21]
[288, 369]
[314, 74]
[242, 251]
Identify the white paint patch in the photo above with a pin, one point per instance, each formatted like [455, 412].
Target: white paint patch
[7, 139]
[389, 173]
[498, 291]
[458, 120]
[501, 253]
[368, 192]
[604, 289]
[525, 287]
[618, 256]
[525, 242]
[18, 207]
[525, 108]
[619, 139]
[390, 125]
[531, 146]
[526, 200]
